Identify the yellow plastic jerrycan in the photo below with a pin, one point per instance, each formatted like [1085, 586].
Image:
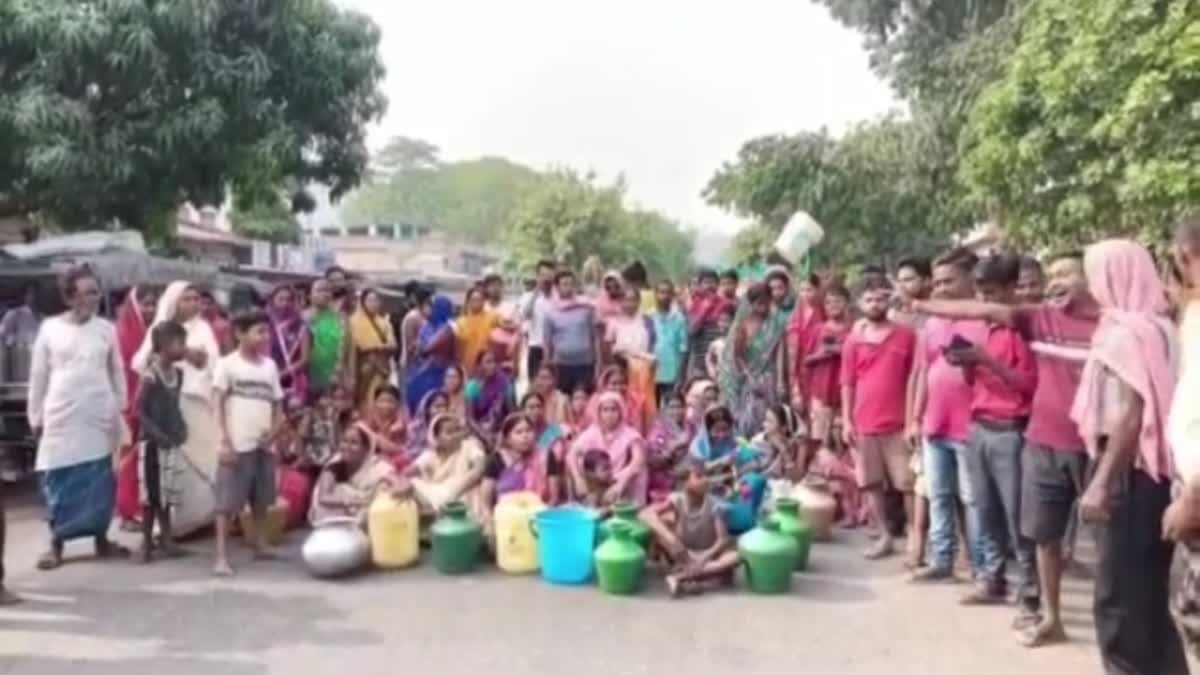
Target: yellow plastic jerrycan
[516, 547]
[393, 528]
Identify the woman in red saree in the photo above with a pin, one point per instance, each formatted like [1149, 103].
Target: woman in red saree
[132, 324]
[803, 336]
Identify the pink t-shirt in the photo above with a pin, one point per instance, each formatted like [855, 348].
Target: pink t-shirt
[879, 374]
[1050, 423]
[993, 398]
[948, 396]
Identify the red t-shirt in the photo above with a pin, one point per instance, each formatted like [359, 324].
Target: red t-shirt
[1050, 423]
[822, 380]
[879, 371]
[993, 398]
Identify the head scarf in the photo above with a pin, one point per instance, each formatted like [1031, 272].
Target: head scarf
[707, 450]
[441, 311]
[418, 433]
[200, 336]
[1134, 341]
[606, 307]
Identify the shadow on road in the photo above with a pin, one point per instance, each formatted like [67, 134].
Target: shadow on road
[200, 622]
[57, 666]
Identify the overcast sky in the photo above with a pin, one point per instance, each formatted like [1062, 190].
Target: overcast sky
[662, 90]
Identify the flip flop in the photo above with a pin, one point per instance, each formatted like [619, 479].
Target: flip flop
[223, 571]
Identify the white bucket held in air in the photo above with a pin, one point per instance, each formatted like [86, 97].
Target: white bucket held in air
[800, 234]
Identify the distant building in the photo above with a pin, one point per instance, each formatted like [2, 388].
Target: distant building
[406, 249]
[206, 235]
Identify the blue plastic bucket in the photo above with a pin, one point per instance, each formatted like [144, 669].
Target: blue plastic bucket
[566, 542]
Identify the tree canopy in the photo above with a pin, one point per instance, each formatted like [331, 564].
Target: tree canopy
[559, 214]
[118, 110]
[1094, 127]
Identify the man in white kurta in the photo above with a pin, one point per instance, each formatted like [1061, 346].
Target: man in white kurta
[76, 393]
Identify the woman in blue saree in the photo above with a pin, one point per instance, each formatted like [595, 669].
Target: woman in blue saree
[733, 467]
[435, 353]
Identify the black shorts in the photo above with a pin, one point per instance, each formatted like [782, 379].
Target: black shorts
[1051, 482]
[249, 480]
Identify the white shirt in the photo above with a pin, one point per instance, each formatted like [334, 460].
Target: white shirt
[76, 391]
[1183, 424]
[536, 310]
[251, 390]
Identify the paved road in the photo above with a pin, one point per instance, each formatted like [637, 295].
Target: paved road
[845, 616]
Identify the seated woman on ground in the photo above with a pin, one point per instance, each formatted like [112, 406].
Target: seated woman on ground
[519, 465]
[551, 437]
[435, 404]
[690, 528]
[387, 427]
[625, 447]
[733, 469]
[667, 446]
[352, 479]
[450, 470]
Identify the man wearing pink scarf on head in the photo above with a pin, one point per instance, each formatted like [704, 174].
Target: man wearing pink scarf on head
[1121, 409]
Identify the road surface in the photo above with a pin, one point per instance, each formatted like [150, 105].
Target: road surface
[845, 616]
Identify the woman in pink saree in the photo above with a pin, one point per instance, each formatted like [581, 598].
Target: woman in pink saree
[625, 447]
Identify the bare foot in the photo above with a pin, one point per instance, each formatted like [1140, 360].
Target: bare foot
[50, 560]
[1042, 634]
[265, 554]
[881, 549]
[110, 549]
[222, 569]
[8, 599]
[673, 585]
[144, 555]
[173, 550]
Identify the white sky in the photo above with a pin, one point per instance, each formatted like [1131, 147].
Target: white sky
[662, 90]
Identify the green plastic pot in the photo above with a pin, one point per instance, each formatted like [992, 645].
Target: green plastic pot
[626, 512]
[792, 522]
[620, 561]
[769, 556]
[456, 540]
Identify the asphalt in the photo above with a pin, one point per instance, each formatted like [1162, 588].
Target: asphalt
[845, 615]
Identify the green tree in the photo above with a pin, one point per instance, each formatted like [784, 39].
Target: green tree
[1093, 128]
[876, 191]
[116, 110]
[572, 218]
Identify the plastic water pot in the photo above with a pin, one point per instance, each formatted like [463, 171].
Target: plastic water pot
[393, 529]
[566, 542]
[516, 548]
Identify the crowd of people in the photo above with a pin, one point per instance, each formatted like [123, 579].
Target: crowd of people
[979, 408]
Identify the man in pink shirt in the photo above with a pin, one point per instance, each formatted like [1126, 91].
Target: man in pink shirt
[1054, 464]
[939, 422]
[876, 360]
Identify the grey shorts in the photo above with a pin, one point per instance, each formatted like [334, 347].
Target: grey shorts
[1051, 482]
[249, 480]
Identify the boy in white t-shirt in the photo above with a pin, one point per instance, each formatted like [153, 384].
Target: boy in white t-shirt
[248, 397]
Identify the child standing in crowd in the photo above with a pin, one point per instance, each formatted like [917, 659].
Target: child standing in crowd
[876, 361]
[704, 316]
[670, 342]
[690, 528]
[163, 431]
[716, 348]
[1002, 375]
[249, 398]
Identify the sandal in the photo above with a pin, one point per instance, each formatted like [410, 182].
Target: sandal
[108, 549]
